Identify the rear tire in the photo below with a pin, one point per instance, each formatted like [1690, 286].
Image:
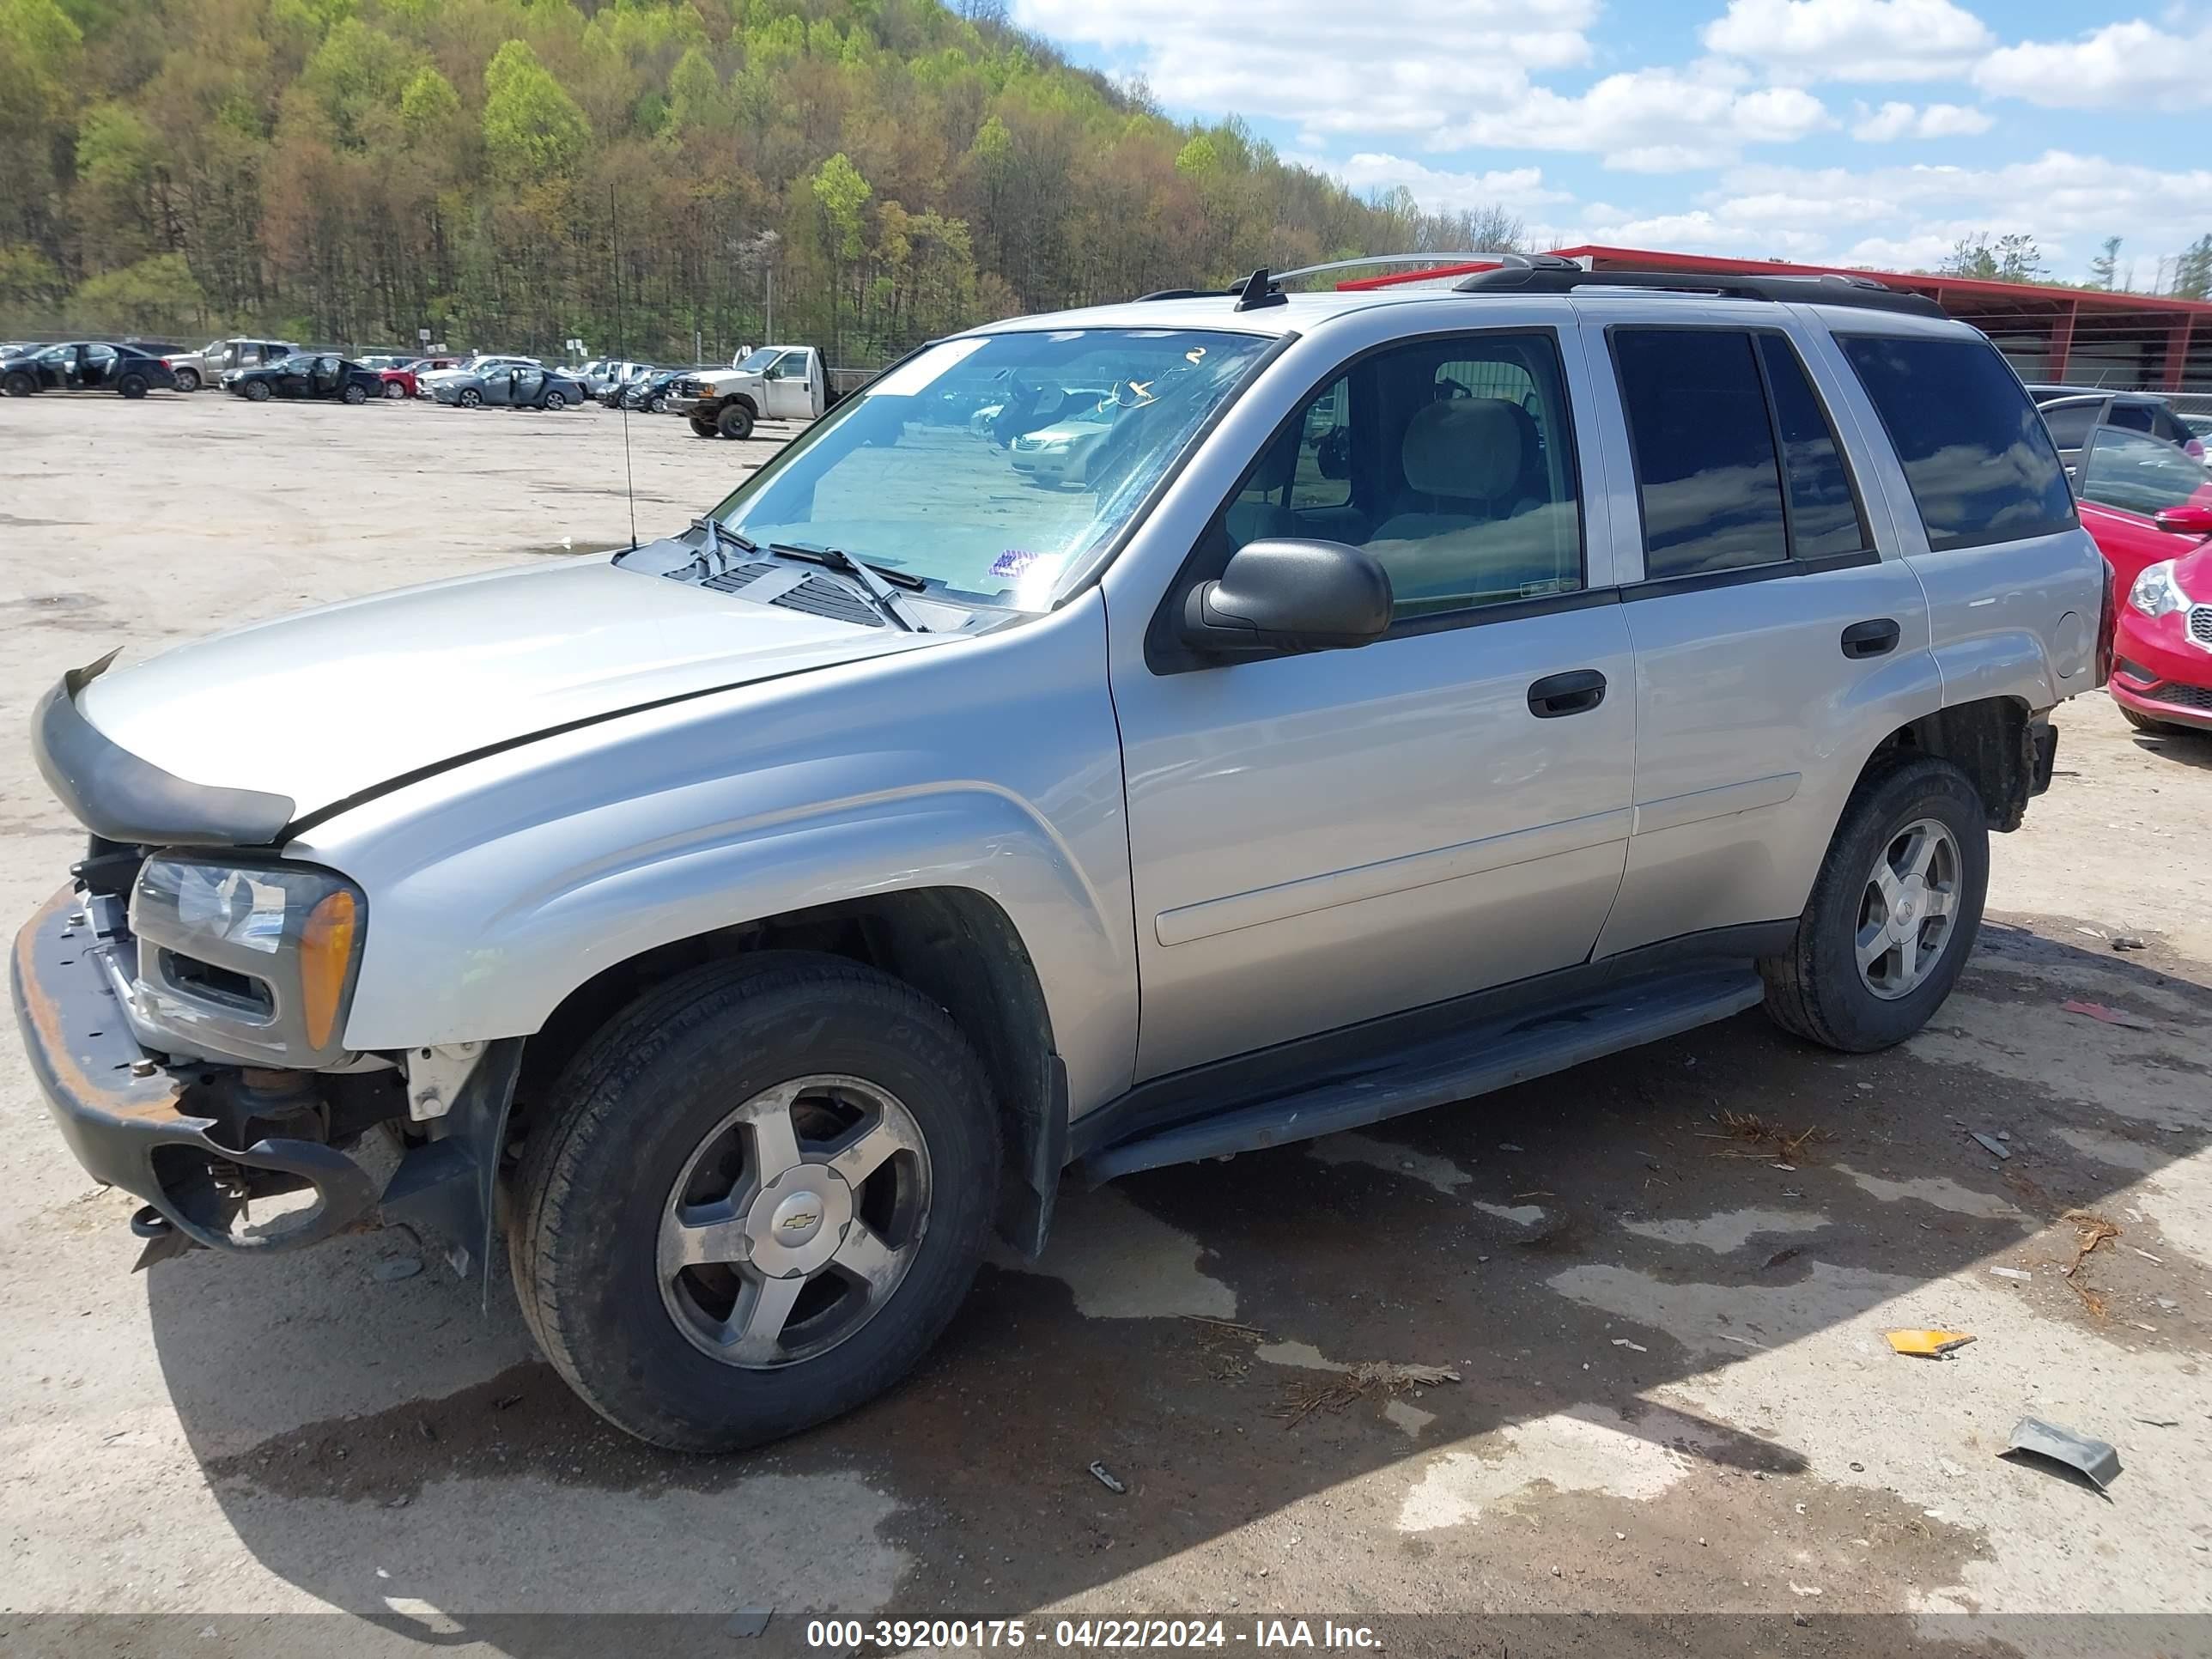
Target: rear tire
[555, 400]
[1823, 989]
[736, 420]
[132, 386]
[188, 380]
[356, 395]
[638, 1146]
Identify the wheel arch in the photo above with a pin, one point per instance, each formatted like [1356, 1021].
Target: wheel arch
[1993, 740]
[956, 946]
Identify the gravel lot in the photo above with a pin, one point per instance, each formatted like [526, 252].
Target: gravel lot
[1672, 1396]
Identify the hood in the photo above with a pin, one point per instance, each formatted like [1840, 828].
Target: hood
[324, 705]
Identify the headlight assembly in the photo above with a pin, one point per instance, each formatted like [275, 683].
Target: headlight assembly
[260, 953]
[2155, 592]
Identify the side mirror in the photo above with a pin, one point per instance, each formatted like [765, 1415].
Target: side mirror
[2193, 520]
[1289, 596]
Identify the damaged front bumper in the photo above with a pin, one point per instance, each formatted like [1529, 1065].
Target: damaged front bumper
[198, 1144]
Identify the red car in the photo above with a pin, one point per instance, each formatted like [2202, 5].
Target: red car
[400, 382]
[2149, 507]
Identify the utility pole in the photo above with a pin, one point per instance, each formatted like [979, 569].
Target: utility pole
[771, 302]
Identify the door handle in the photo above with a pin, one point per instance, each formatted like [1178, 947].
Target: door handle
[1873, 638]
[1574, 692]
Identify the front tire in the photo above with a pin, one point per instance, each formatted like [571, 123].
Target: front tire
[757, 1198]
[703, 429]
[468, 398]
[1895, 912]
[256, 391]
[2156, 728]
[736, 420]
[394, 389]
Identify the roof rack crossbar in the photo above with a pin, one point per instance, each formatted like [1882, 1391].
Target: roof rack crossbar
[1833, 289]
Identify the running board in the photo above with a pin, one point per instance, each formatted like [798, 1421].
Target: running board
[1458, 1065]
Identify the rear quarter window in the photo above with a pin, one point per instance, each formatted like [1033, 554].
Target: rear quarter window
[1975, 452]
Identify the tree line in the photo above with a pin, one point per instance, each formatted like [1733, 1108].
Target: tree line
[643, 174]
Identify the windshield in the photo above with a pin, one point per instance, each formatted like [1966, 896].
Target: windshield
[754, 362]
[984, 466]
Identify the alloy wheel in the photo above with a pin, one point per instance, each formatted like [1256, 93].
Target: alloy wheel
[1908, 909]
[794, 1221]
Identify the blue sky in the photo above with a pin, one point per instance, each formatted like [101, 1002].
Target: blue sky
[1873, 132]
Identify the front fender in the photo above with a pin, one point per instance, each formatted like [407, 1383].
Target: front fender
[496, 889]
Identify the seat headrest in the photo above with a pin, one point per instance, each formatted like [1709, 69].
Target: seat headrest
[1468, 448]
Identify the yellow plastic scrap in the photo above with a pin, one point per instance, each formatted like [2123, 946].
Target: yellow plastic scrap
[1927, 1344]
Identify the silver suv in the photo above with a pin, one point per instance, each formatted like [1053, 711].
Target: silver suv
[1419, 693]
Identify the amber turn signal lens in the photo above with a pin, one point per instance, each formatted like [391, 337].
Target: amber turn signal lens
[326, 952]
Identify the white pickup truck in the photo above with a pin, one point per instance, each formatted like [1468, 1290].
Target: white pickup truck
[772, 383]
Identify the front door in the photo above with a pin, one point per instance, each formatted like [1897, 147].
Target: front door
[790, 388]
[1776, 645]
[1318, 839]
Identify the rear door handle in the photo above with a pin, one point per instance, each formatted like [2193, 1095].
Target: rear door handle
[1874, 638]
[1574, 692]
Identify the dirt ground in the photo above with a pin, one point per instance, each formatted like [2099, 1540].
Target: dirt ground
[1672, 1425]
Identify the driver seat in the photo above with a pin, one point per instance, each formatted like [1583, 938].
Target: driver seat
[1467, 462]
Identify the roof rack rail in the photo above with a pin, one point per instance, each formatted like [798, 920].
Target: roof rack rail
[1548, 273]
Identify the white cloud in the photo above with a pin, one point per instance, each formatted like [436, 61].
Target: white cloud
[1333, 67]
[2130, 65]
[1896, 120]
[1654, 120]
[1903, 216]
[1517, 189]
[1851, 39]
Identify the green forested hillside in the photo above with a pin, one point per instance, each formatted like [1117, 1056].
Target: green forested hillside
[352, 170]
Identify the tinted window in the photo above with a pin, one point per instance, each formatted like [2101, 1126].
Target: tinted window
[2134, 417]
[2069, 424]
[2141, 474]
[1980, 464]
[1824, 513]
[1447, 460]
[1706, 472]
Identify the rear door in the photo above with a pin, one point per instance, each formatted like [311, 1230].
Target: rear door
[1776, 638]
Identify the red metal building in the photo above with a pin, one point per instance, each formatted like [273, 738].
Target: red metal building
[2083, 337]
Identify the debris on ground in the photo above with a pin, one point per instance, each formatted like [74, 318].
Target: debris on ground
[1927, 1344]
[2090, 1230]
[2146, 1256]
[2127, 942]
[2097, 1459]
[1781, 1256]
[748, 1622]
[1224, 1346]
[393, 1268]
[1623, 1342]
[1104, 1477]
[1374, 1378]
[1762, 1139]
[2012, 1272]
[1990, 1144]
[2110, 1016]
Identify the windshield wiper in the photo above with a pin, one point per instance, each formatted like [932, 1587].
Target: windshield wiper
[719, 537]
[889, 603]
